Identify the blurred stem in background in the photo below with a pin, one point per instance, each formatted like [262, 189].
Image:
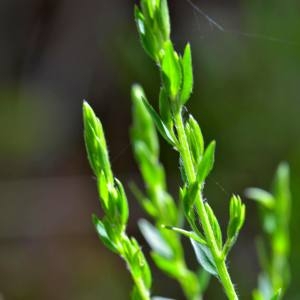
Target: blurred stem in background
[273, 250]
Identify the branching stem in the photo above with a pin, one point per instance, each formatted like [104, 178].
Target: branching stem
[208, 231]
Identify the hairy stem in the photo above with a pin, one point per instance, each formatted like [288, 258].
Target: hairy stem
[208, 231]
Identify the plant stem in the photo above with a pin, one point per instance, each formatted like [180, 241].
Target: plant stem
[143, 291]
[219, 260]
[185, 284]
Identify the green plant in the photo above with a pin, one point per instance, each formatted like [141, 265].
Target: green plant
[196, 162]
[273, 251]
[111, 229]
[167, 250]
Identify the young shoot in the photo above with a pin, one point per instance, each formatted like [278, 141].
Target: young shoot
[111, 228]
[196, 160]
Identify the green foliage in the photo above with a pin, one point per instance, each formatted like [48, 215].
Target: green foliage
[273, 251]
[171, 71]
[196, 161]
[167, 251]
[153, 26]
[236, 220]
[204, 257]
[138, 94]
[187, 75]
[206, 163]
[111, 229]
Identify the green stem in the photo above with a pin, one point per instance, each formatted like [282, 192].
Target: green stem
[185, 282]
[143, 291]
[187, 279]
[208, 231]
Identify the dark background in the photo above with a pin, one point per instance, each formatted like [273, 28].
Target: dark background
[55, 53]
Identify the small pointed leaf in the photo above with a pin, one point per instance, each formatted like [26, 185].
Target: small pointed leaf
[207, 162]
[165, 108]
[188, 234]
[171, 70]
[214, 224]
[187, 70]
[155, 239]
[161, 127]
[190, 197]
[122, 203]
[204, 257]
[148, 39]
[103, 235]
[163, 19]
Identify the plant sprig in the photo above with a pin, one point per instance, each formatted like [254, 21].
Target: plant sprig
[167, 250]
[196, 161]
[111, 228]
[273, 250]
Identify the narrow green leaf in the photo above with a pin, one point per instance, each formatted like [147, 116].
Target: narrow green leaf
[190, 197]
[195, 139]
[103, 235]
[215, 225]
[103, 191]
[187, 71]
[163, 19]
[143, 127]
[161, 127]
[122, 203]
[261, 196]
[188, 234]
[207, 162]
[197, 134]
[204, 257]
[147, 37]
[95, 143]
[155, 239]
[171, 70]
[165, 108]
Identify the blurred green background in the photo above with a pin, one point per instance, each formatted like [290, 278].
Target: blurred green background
[54, 53]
